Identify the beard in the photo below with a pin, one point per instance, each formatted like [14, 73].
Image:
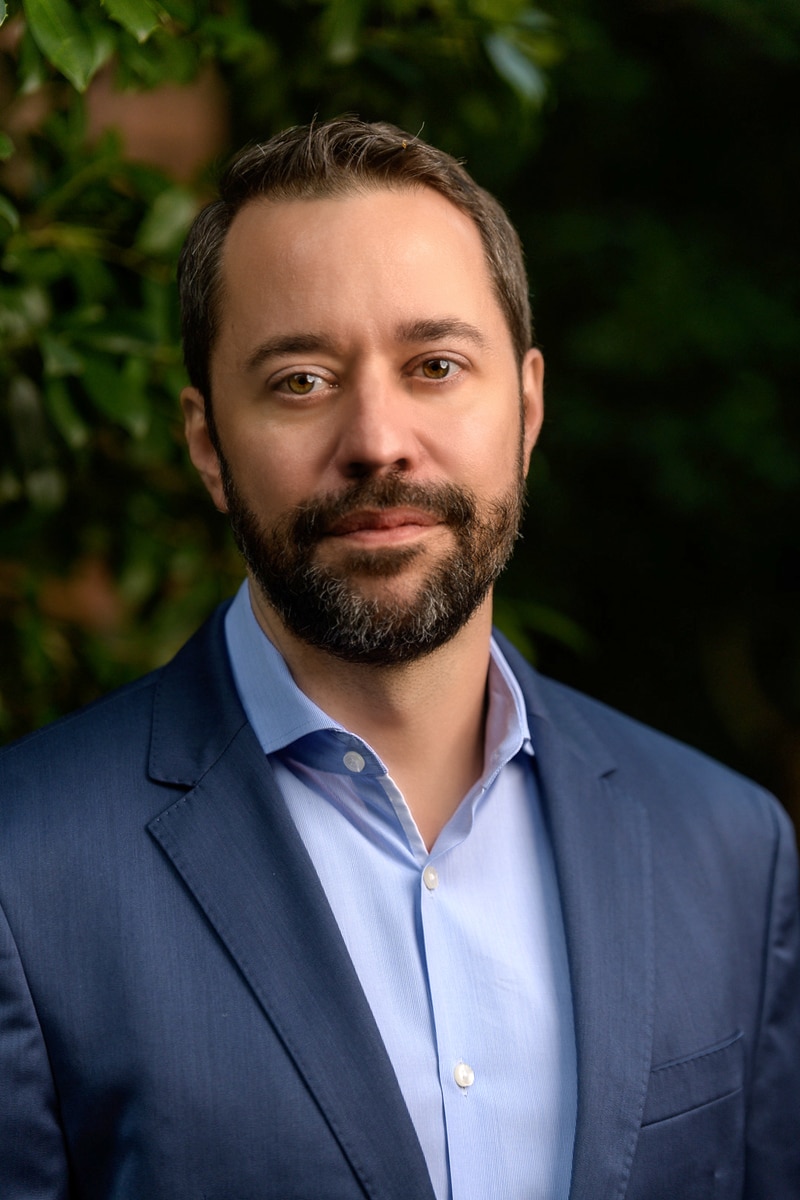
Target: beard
[323, 605]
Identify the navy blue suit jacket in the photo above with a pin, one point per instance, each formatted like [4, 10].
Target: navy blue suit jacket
[179, 1018]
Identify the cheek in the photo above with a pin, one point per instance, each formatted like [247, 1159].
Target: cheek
[485, 454]
[274, 482]
[282, 457]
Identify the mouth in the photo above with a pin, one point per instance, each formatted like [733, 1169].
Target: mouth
[385, 526]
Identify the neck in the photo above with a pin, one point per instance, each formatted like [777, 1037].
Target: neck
[425, 719]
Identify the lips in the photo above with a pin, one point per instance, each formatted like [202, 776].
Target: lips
[390, 508]
[392, 518]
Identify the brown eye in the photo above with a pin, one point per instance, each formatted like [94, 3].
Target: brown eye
[437, 368]
[302, 384]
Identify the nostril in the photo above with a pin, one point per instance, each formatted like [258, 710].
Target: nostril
[361, 469]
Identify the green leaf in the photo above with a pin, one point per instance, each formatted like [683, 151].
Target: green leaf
[167, 222]
[183, 11]
[139, 17]
[59, 357]
[63, 414]
[63, 39]
[171, 58]
[8, 213]
[23, 309]
[102, 36]
[32, 66]
[6, 146]
[513, 65]
[118, 395]
[135, 376]
[3, 11]
[341, 27]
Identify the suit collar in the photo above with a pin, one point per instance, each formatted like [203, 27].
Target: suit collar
[555, 705]
[196, 711]
[201, 739]
[232, 841]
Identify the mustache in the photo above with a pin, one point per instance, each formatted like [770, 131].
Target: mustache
[452, 505]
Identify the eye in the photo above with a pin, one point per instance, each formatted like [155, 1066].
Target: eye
[439, 368]
[301, 383]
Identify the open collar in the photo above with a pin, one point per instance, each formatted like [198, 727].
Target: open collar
[234, 844]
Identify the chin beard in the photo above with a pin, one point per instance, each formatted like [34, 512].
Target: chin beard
[324, 605]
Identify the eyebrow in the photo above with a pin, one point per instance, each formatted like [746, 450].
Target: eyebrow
[432, 330]
[290, 343]
[423, 330]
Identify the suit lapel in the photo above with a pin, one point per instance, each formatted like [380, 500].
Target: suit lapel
[232, 841]
[601, 846]
[235, 846]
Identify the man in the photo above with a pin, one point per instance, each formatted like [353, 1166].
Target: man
[345, 901]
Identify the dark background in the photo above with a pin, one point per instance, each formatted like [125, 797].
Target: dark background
[647, 152]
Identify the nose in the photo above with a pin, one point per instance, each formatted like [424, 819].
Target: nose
[375, 435]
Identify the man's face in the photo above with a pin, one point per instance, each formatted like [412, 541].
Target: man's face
[374, 426]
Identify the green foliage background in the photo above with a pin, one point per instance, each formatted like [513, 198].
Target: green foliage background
[647, 152]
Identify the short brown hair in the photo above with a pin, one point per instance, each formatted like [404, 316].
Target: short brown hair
[335, 158]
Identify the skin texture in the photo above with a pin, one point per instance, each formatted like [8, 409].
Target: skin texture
[360, 340]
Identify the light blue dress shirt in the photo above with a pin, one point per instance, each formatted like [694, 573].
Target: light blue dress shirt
[460, 951]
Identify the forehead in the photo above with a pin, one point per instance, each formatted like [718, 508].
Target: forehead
[291, 217]
[369, 246]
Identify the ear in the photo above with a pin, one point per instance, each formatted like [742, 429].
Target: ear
[532, 400]
[201, 449]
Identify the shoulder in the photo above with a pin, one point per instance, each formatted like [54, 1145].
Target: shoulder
[677, 783]
[104, 753]
[99, 727]
[73, 774]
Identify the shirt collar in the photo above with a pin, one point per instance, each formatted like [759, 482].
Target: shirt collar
[281, 714]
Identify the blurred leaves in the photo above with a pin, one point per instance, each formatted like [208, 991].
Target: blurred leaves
[646, 151]
[110, 554]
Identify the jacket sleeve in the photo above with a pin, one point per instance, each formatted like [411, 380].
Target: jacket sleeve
[33, 1161]
[773, 1130]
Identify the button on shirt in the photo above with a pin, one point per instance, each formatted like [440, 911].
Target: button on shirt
[460, 951]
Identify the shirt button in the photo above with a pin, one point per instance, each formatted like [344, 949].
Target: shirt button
[464, 1075]
[354, 761]
[430, 877]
